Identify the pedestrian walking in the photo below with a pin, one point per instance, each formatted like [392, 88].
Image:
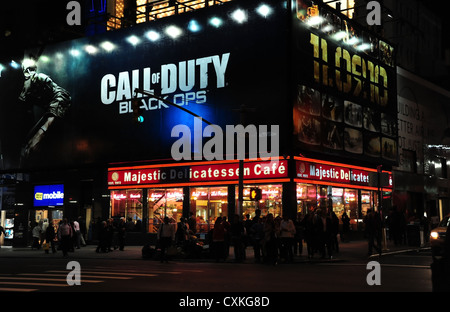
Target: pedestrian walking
[257, 237]
[345, 237]
[121, 233]
[110, 229]
[218, 240]
[237, 232]
[182, 234]
[287, 232]
[299, 234]
[65, 234]
[77, 234]
[334, 231]
[102, 237]
[270, 241]
[372, 223]
[36, 233]
[308, 225]
[50, 236]
[166, 235]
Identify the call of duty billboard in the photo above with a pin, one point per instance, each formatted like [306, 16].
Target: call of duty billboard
[345, 101]
[70, 103]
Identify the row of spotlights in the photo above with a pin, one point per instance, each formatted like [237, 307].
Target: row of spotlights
[239, 16]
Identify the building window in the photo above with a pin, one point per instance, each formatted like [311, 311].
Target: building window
[150, 10]
[206, 204]
[166, 202]
[346, 7]
[128, 204]
[270, 201]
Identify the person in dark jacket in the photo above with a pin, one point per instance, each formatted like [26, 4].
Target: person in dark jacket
[372, 222]
[50, 236]
[121, 232]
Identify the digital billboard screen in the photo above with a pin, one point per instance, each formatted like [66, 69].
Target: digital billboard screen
[48, 195]
[71, 103]
[345, 100]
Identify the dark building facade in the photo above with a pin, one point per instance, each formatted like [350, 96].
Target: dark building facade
[318, 88]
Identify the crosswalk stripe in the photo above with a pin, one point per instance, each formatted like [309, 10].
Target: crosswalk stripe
[43, 279]
[108, 273]
[82, 276]
[18, 289]
[34, 284]
[133, 271]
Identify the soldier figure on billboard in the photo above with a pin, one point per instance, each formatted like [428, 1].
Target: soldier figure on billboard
[43, 94]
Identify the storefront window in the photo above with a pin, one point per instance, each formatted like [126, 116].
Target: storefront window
[128, 204]
[306, 198]
[337, 194]
[270, 201]
[208, 203]
[164, 203]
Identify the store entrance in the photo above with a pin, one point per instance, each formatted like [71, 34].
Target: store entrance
[207, 204]
[165, 202]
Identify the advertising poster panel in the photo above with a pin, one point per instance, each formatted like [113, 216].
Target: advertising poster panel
[345, 87]
[70, 103]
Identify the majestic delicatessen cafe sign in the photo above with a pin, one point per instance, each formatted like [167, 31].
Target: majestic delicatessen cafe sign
[196, 173]
[336, 174]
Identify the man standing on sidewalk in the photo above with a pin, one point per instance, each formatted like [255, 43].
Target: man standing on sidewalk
[373, 230]
[76, 227]
[65, 235]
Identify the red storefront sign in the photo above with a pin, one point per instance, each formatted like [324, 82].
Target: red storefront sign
[211, 172]
[335, 173]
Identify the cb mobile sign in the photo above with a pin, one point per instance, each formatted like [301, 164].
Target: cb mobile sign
[48, 195]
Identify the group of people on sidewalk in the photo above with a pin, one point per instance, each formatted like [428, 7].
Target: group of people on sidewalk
[276, 239]
[111, 235]
[65, 236]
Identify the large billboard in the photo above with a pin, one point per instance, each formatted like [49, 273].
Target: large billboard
[345, 87]
[70, 103]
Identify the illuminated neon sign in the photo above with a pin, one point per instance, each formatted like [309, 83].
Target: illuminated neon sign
[48, 195]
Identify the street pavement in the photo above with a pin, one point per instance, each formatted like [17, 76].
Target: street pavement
[355, 250]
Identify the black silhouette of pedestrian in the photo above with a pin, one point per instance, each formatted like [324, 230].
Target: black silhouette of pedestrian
[334, 231]
[166, 235]
[121, 232]
[372, 223]
[50, 236]
[102, 237]
[218, 240]
[257, 236]
[308, 225]
[237, 231]
[65, 234]
[270, 240]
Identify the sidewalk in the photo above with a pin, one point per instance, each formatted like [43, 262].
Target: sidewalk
[348, 251]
